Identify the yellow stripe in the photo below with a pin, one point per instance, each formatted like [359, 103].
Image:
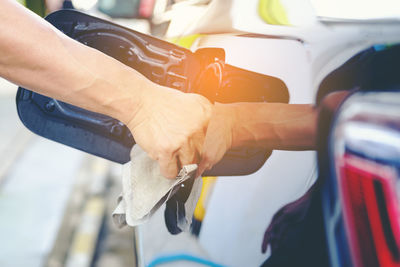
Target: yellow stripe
[200, 210]
[84, 242]
[273, 12]
[185, 41]
[95, 207]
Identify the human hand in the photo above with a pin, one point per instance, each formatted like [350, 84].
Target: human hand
[170, 126]
[219, 136]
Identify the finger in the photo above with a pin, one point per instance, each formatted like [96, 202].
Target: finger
[211, 155]
[188, 154]
[198, 142]
[206, 158]
[203, 166]
[169, 166]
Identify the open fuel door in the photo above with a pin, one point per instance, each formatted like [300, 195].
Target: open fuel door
[203, 72]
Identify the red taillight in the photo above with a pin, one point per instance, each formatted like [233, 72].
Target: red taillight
[371, 210]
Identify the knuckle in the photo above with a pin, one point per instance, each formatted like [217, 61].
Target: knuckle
[166, 149]
[153, 155]
[170, 176]
[167, 175]
[168, 172]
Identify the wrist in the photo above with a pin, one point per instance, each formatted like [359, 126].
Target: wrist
[136, 93]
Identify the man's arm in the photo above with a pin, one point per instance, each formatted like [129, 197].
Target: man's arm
[269, 125]
[168, 124]
[35, 55]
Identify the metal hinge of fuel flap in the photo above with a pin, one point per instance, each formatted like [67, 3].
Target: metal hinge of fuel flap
[203, 72]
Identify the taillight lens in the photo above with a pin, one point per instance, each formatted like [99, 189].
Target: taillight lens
[371, 210]
[366, 152]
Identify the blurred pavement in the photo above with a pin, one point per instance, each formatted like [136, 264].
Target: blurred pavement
[33, 188]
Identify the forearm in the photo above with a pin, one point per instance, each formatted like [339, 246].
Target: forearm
[269, 125]
[168, 124]
[35, 55]
[274, 126]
